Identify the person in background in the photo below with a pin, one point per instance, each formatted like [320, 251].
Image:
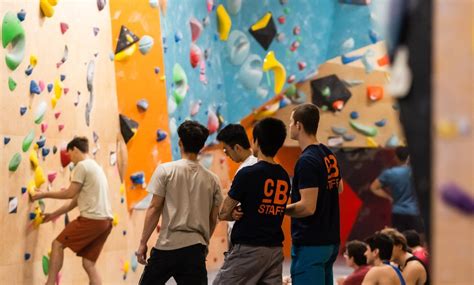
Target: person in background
[413, 241]
[413, 269]
[378, 253]
[263, 190]
[314, 208]
[237, 147]
[87, 234]
[356, 259]
[188, 196]
[398, 180]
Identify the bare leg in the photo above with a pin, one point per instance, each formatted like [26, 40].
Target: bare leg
[89, 266]
[56, 261]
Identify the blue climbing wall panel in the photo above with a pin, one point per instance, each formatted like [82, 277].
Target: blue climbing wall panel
[308, 32]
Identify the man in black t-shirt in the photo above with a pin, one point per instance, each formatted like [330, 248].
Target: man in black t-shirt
[263, 190]
[314, 204]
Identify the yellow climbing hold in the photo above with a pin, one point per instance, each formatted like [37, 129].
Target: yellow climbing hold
[262, 23]
[38, 220]
[126, 53]
[224, 23]
[33, 60]
[122, 189]
[271, 63]
[34, 159]
[371, 142]
[115, 220]
[31, 187]
[268, 110]
[40, 178]
[47, 7]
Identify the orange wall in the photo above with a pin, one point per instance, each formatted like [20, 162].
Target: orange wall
[136, 79]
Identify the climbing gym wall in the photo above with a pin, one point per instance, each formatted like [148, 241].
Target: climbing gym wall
[214, 52]
[57, 81]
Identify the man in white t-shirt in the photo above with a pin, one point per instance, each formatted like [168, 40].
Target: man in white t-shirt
[188, 196]
[236, 146]
[89, 192]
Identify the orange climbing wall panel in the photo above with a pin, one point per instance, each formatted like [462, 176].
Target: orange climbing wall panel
[136, 79]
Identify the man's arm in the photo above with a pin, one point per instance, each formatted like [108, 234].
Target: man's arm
[152, 217]
[225, 213]
[64, 209]
[72, 191]
[377, 188]
[306, 206]
[412, 273]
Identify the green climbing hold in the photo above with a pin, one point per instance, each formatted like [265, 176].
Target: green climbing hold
[363, 129]
[326, 92]
[11, 84]
[14, 162]
[45, 265]
[14, 34]
[40, 111]
[180, 81]
[287, 11]
[28, 140]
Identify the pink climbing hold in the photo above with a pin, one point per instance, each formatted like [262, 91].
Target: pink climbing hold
[212, 121]
[41, 85]
[281, 20]
[196, 29]
[202, 72]
[210, 5]
[295, 45]
[291, 79]
[195, 55]
[60, 127]
[301, 65]
[195, 108]
[57, 114]
[64, 27]
[52, 176]
[296, 30]
[66, 90]
[44, 127]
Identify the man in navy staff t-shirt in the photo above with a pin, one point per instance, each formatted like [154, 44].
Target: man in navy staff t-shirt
[314, 204]
[263, 190]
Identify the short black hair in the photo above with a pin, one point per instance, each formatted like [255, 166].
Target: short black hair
[397, 237]
[81, 143]
[270, 134]
[308, 116]
[383, 243]
[402, 153]
[412, 237]
[356, 250]
[193, 135]
[234, 134]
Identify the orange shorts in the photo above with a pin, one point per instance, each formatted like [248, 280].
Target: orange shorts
[86, 237]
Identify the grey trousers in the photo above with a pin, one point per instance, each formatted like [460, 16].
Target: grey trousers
[247, 265]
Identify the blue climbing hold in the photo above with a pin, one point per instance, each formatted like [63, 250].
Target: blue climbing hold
[27, 256]
[354, 115]
[348, 59]
[138, 178]
[21, 15]
[124, 232]
[22, 110]
[29, 70]
[160, 135]
[23, 190]
[34, 87]
[32, 216]
[374, 37]
[381, 123]
[45, 151]
[157, 70]
[63, 77]
[50, 87]
[178, 36]
[6, 140]
[41, 142]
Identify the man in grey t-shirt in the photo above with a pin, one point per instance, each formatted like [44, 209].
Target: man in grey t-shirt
[188, 196]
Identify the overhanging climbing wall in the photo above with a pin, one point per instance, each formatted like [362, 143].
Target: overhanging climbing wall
[71, 52]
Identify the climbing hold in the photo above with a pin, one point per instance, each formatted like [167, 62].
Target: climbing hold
[291, 79]
[234, 6]
[202, 72]
[39, 177]
[280, 37]
[101, 4]
[14, 162]
[134, 262]
[363, 129]
[145, 44]
[337, 105]
[44, 127]
[267, 110]
[47, 7]
[383, 61]
[14, 34]
[354, 115]
[348, 44]
[369, 67]
[33, 60]
[50, 87]
[284, 102]
[381, 123]
[34, 159]
[345, 59]
[453, 195]
[153, 3]
[44, 152]
[40, 111]
[27, 256]
[64, 27]
[34, 88]
[64, 58]
[195, 55]
[6, 140]
[212, 121]
[374, 93]
[95, 30]
[295, 96]
[52, 176]
[393, 141]
[55, 149]
[250, 73]
[23, 110]
[224, 23]
[264, 30]
[40, 142]
[195, 108]
[60, 127]
[271, 63]
[281, 20]
[180, 81]
[352, 83]
[65, 90]
[196, 29]
[128, 128]
[142, 105]
[45, 262]
[41, 85]
[11, 84]
[138, 178]
[21, 15]
[29, 70]
[294, 46]
[64, 156]
[178, 36]
[62, 77]
[296, 30]
[206, 21]
[339, 130]
[374, 37]
[126, 44]
[348, 137]
[331, 92]
[238, 46]
[28, 140]
[326, 92]
[301, 65]
[371, 142]
[160, 135]
[57, 114]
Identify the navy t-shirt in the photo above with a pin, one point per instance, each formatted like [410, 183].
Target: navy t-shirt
[263, 190]
[317, 168]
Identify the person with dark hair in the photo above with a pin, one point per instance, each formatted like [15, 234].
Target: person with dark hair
[414, 242]
[237, 147]
[263, 191]
[188, 197]
[413, 269]
[398, 180]
[314, 204]
[87, 234]
[355, 258]
[378, 253]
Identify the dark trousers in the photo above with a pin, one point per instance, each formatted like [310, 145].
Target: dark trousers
[403, 222]
[186, 265]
